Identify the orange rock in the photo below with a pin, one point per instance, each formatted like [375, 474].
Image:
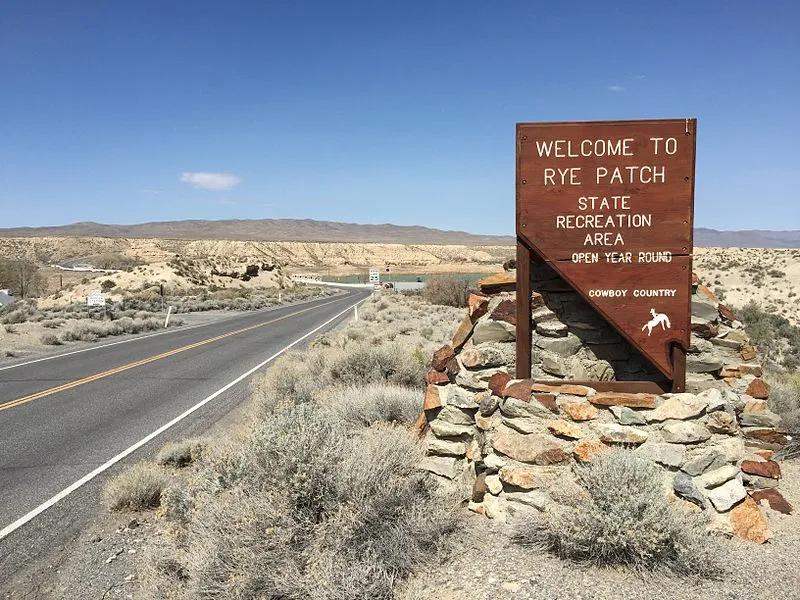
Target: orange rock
[563, 428]
[441, 356]
[765, 454]
[771, 436]
[498, 382]
[435, 377]
[758, 388]
[726, 313]
[548, 401]
[579, 411]
[775, 500]
[501, 282]
[483, 423]
[767, 468]
[624, 399]
[747, 352]
[505, 311]
[573, 390]
[749, 523]
[477, 305]
[729, 371]
[463, 332]
[432, 399]
[520, 389]
[707, 293]
[587, 450]
[751, 370]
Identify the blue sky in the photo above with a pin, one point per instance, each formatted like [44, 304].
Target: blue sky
[376, 112]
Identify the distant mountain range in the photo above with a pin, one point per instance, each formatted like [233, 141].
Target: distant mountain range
[309, 230]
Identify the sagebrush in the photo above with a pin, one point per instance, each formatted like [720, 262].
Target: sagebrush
[624, 520]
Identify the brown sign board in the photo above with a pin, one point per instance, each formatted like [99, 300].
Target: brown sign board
[609, 206]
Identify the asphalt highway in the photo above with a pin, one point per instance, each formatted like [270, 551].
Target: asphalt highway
[90, 413]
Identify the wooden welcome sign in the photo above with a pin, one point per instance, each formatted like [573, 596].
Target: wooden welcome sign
[609, 206]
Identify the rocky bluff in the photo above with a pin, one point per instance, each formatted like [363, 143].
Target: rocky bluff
[515, 440]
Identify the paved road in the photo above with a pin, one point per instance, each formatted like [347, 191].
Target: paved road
[63, 418]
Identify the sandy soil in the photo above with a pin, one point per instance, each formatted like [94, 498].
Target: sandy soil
[768, 276]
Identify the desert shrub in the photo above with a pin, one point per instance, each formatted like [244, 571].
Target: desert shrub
[390, 363]
[181, 453]
[330, 512]
[50, 339]
[295, 378]
[364, 406]
[176, 504]
[784, 399]
[10, 329]
[626, 520]
[448, 291]
[107, 285]
[53, 323]
[774, 334]
[137, 488]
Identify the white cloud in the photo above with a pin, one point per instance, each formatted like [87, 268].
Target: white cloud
[210, 181]
[148, 192]
[616, 88]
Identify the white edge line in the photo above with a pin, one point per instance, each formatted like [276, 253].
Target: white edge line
[111, 462]
[136, 337]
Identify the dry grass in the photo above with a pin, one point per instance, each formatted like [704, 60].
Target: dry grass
[137, 488]
[447, 291]
[180, 454]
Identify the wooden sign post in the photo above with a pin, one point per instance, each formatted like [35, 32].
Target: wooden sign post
[609, 206]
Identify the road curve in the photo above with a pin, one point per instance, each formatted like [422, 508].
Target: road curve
[65, 418]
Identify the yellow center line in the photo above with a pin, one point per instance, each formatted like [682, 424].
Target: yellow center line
[144, 361]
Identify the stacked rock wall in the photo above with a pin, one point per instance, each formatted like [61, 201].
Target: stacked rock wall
[518, 439]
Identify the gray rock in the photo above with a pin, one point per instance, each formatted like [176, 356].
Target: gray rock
[722, 422]
[514, 408]
[714, 399]
[699, 346]
[726, 496]
[493, 331]
[704, 363]
[493, 462]
[456, 416]
[620, 434]
[731, 447]
[717, 477]
[488, 405]
[679, 407]
[669, 455]
[684, 432]
[439, 447]
[685, 488]
[483, 356]
[440, 465]
[442, 428]
[551, 328]
[627, 416]
[704, 309]
[477, 380]
[736, 335]
[765, 418]
[565, 346]
[598, 370]
[494, 484]
[542, 314]
[522, 424]
[706, 460]
[535, 498]
[553, 364]
[759, 483]
[726, 343]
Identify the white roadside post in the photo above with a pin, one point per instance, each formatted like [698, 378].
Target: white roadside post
[166, 322]
[355, 313]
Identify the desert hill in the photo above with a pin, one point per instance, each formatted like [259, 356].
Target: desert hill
[277, 230]
[309, 230]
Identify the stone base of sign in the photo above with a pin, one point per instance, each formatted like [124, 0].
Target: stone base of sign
[516, 438]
